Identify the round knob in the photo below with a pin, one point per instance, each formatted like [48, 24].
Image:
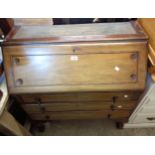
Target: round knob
[134, 56]
[17, 61]
[133, 77]
[19, 82]
[47, 117]
[76, 49]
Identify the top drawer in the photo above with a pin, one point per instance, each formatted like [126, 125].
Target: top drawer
[75, 67]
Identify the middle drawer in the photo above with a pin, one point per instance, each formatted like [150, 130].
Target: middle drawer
[71, 106]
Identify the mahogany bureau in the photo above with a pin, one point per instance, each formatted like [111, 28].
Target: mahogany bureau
[87, 71]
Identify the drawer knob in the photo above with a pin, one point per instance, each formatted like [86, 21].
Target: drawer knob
[134, 56]
[151, 118]
[19, 82]
[76, 49]
[133, 77]
[113, 103]
[47, 117]
[17, 61]
[41, 107]
[109, 116]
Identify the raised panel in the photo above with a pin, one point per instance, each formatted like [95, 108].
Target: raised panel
[93, 69]
[75, 67]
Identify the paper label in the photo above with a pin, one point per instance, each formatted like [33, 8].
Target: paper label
[74, 58]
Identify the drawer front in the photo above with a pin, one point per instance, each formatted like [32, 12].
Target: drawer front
[77, 97]
[48, 107]
[142, 118]
[81, 115]
[75, 67]
[147, 110]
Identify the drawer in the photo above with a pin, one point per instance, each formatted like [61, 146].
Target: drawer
[147, 102]
[141, 118]
[77, 97]
[81, 115]
[147, 110]
[66, 106]
[75, 67]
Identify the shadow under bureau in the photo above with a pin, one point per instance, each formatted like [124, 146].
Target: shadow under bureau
[83, 71]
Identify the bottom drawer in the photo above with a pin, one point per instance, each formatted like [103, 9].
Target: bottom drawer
[144, 118]
[116, 114]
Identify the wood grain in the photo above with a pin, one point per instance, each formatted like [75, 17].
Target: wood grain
[95, 69]
[32, 21]
[69, 106]
[81, 96]
[82, 115]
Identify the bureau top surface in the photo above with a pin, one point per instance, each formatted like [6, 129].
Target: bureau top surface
[77, 32]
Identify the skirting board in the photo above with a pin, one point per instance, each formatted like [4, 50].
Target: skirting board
[139, 125]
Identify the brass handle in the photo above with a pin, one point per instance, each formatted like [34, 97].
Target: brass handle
[151, 118]
[19, 82]
[41, 107]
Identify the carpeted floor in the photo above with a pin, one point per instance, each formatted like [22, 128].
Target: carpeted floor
[90, 128]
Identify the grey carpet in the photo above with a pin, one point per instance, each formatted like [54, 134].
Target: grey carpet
[90, 128]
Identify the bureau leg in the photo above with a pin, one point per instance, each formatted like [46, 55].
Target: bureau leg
[119, 125]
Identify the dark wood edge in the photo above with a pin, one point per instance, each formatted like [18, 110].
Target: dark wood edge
[121, 37]
[11, 33]
[139, 29]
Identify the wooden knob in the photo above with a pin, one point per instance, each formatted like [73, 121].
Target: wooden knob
[109, 116]
[76, 49]
[133, 77]
[19, 82]
[17, 61]
[47, 117]
[134, 56]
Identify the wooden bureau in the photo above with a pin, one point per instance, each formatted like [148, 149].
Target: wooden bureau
[85, 71]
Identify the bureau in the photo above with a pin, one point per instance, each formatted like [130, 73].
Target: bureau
[82, 71]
